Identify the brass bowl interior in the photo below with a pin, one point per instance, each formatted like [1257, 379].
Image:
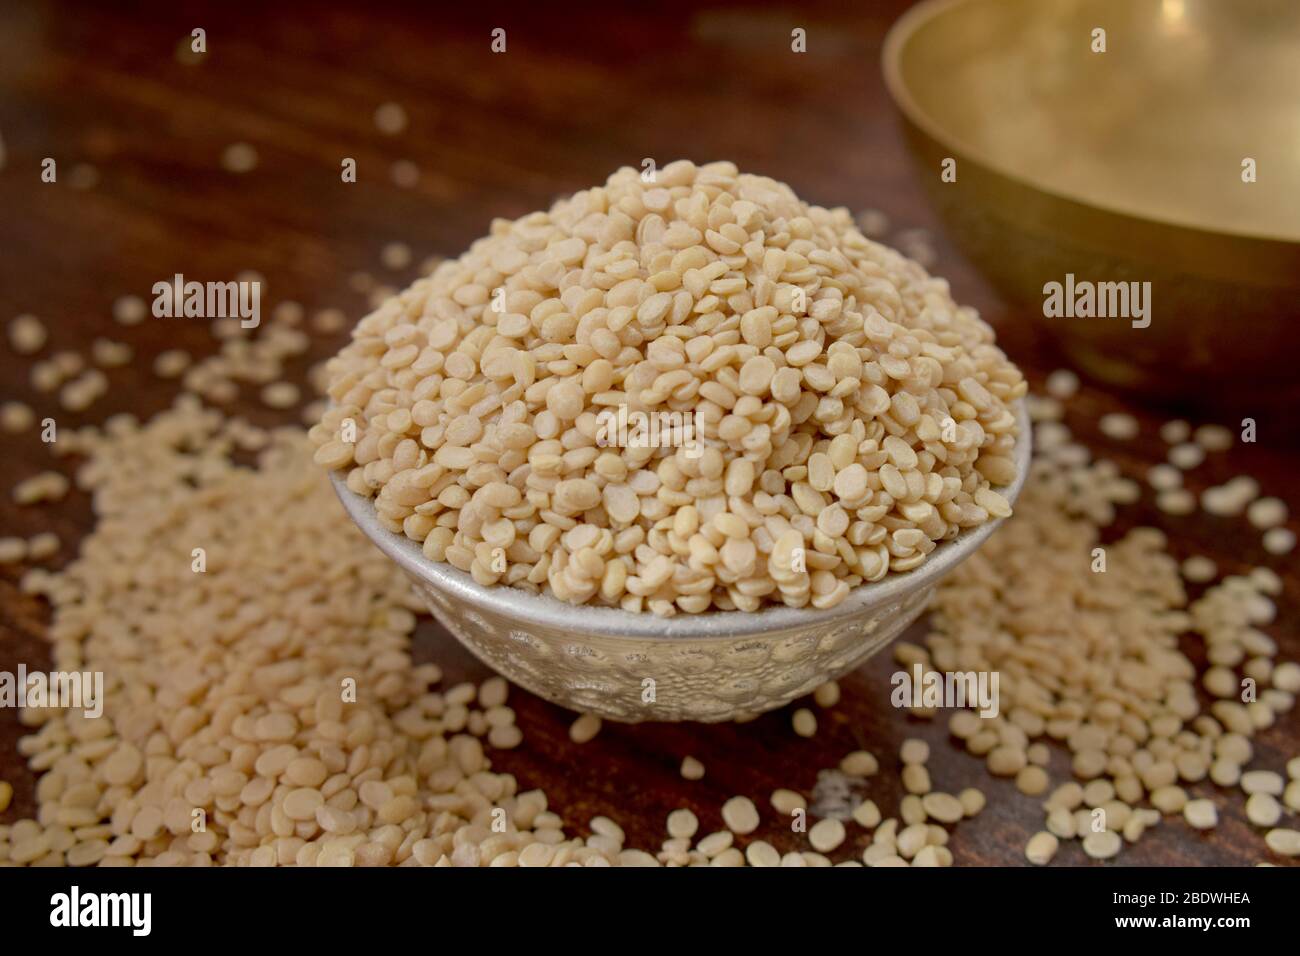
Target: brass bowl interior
[1156, 127]
[1123, 166]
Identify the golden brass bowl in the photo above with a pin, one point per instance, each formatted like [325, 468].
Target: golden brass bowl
[1123, 166]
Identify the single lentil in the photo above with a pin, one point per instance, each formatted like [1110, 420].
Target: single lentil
[15, 417]
[1263, 810]
[1119, 426]
[740, 815]
[692, 769]
[826, 835]
[1041, 848]
[584, 729]
[1279, 541]
[860, 763]
[1201, 814]
[787, 802]
[390, 118]
[27, 334]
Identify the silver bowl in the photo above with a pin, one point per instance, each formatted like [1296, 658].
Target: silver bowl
[720, 665]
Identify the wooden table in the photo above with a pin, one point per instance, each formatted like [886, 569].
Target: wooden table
[573, 98]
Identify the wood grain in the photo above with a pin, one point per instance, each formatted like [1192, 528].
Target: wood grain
[574, 97]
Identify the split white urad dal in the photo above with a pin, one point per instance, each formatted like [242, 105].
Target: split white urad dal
[850, 416]
[1090, 658]
[223, 688]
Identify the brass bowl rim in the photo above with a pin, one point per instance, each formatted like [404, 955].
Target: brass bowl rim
[516, 604]
[905, 29]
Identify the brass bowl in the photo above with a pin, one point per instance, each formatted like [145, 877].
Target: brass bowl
[1122, 166]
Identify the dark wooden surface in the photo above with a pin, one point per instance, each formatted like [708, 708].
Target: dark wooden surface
[574, 97]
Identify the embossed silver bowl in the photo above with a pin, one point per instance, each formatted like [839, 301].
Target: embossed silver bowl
[719, 665]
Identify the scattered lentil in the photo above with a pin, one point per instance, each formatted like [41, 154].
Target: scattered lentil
[787, 802]
[1119, 426]
[1041, 848]
[1062, 384]
[715, 843]
[1265, 513]
[1032, 781]
[585, 729]
[826, 835]
[1279, 541]
[1164, 477]
[972, 801]
[239, 158]
[1263, 810]
[943, 807]
[914, 751]
[1199, 569]
[682, 824]
[404, 174]
[390, 118]
[1102, 844]
[762, 853]
[171, 363]
[42, 487]
[396, 256]
[1175, 432]
[692, 769]
[1201, 814]
[1284, 842]
[740, 815]
[27, 334]
[12, 550]
[1186, 456]
[827, 695]
[42, 546]
[873, 222]
[860, 763]
[867, 815]
[916, 779]
[129, 310]
[110, 354]
[15, 417]
[1177, 501]
[281, 395]
[1262, 781]
[1214, 437]
[1291, 795]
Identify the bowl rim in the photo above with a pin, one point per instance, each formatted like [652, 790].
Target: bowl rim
[906, 27]
[550, 612]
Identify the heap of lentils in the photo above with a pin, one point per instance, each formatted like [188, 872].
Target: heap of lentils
[848, 415]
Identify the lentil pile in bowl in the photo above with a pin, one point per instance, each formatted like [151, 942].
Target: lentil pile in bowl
[840, 414]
